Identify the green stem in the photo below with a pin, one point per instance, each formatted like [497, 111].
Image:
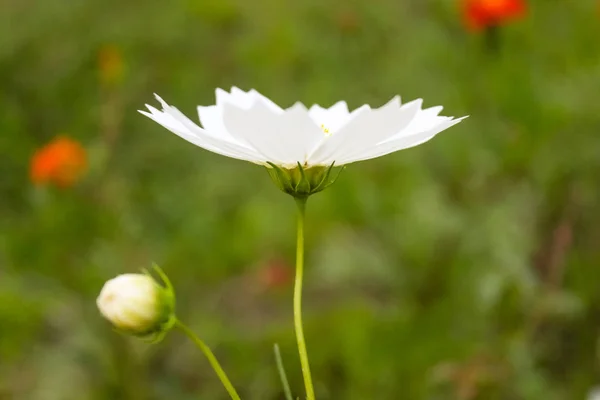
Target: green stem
[310, 392]
[211, 359]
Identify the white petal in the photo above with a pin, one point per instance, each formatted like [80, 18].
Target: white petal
[238, 97]
[206, 142]
[274, 107]
[332, 118]
[424, 120]
[365, 130]
[282, 138]
[176, 122]
[400, 142]
[211, 118]
[243, 99]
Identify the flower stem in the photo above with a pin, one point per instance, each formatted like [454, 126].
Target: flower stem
[310, 392]
[211, 358]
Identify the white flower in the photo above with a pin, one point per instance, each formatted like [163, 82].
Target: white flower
[134, 303]
[594, 394]
[249, 126]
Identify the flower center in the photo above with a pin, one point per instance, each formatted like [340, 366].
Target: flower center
[325, 130]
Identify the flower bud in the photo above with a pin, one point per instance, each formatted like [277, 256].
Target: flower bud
[137, 305]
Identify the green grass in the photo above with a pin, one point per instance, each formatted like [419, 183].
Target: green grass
[466, 268]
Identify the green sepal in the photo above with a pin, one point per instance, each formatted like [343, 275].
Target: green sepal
[301, 181]
[303, 185]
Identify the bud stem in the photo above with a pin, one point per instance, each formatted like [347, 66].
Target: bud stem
[211, 359]
[310, 392]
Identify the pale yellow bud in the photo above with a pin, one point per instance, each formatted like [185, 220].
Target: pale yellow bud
[135, 304]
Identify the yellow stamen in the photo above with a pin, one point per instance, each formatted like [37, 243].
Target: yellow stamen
[325, 130]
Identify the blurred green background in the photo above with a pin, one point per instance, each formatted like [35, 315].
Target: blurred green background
[466, 268]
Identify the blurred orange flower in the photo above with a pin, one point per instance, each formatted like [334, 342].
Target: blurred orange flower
[61, 162]
[481, 14]
[110, 65]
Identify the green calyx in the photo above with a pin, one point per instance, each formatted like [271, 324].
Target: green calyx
[301, 182]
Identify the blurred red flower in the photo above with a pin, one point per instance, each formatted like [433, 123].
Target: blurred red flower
[481, 14]
[61, 162]
[275, 273]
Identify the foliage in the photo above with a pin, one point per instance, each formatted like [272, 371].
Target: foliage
[466, 268]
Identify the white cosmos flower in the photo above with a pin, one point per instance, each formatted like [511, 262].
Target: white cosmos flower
[248, 126]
